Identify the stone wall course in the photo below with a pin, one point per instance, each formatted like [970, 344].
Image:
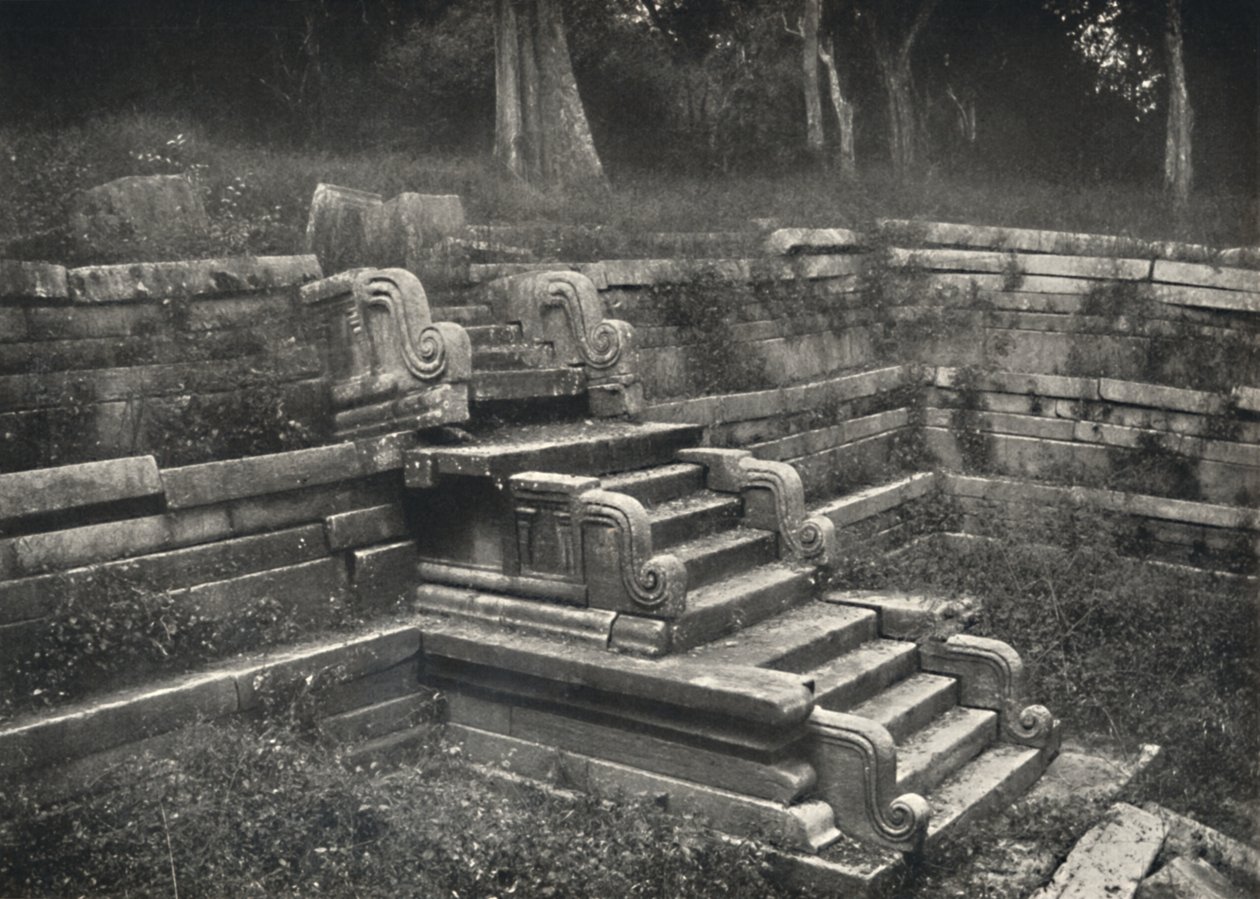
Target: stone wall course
[55, 490]
[209, 482]
[20, 280]
[146, 281]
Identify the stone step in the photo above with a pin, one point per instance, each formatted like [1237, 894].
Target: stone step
[527, 383]
[464, 315]
[661, 484]
[505, 357]
[719, 556]
[799, 639]
[689, 517]
[741, 601]
[988, 783]
[932, 754]
[859, 674]
[579, 448]
[910, 704]
[490, 335]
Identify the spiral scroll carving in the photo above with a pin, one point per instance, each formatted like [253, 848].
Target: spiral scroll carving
[811, 538]
[653, 582]
[423, 346]
[600, 341]
[992, 677]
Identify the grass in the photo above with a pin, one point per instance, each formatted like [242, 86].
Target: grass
[258, 196]
[247, 812]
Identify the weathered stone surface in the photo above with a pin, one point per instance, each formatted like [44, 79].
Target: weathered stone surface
[337, 226]
[1111, 859]
[212, 482]
[400, 231]
[198, 277]
[1015, 265]
[1138, 393]
[48, 490]
[1189, 878]
[1192, 839]
[381, 718]
[32, 281]
[385, 574]
[1208, 297]
[309, 591]
[361, 527]
[138, 214]
[1206, 276]
[115, 720]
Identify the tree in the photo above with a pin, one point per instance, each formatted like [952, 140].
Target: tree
[844, 112]
[541, 132]
[893, 28]
[1178, 165]
[809, 61]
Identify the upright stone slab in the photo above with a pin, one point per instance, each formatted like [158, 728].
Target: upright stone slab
[391, 367]
[421, 233]
[337, 226]
[140, 215]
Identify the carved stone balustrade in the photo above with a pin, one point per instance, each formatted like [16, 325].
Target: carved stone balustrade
[571, 531]
[774, 500]
[856, 762]
[991, 676]
[564, 309]
[391, 367]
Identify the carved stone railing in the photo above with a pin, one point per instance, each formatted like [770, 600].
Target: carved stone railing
[571, 531]
[563, 308]
[856, 762]
[774, 500]
[390, 366]
[991, 676]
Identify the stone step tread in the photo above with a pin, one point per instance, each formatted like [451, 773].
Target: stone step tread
[475, 314]
[502, 357]
[688, 517]
[584, 447]
[860, 673]
[493, 335]
[654, 486]
[740, 601]
[725, 554]
[931, 754]
[910, 704]
[990, 781]
[527, 383]
[798, 638]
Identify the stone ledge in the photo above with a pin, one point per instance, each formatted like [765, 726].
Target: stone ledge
[1206, 276]
[1016, 265]
[32, 281]
[49, 490]
[786, 241]
[849, 510]
[143, 281]
[212, 482]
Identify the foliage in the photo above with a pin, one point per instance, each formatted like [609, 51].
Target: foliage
[1137, 651]
[241, 812]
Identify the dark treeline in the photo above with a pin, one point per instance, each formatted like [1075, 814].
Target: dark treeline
[996, 86]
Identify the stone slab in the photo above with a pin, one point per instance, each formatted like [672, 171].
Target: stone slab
[1193, 839]
[309, 591]
[785, 241]
[211, 482]
[21, 280]
[863, 504]
[1208, 297]
[1190, 878]
[1137, 393]
[50, 490]
[1111, 859]
[381, 718]
[144, 281]
[750, 694]
[383, 574]
[360, 527]
[1206, 276]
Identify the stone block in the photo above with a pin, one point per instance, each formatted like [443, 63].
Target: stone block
[361, 527]
[863, 504]
[32, 281]
[1207, 297]
[213, 482]
[348, 659]
[309, 504]
[383, 575]
[113, 721]
[55, 490]
[786, 241]
[138, 214]
[310, 591]
[401, 231]
[138, 282]
[337, 226]
[1111, 859]
[1206, 276]
[1159, 396]
[387, 717]
[1189, 878]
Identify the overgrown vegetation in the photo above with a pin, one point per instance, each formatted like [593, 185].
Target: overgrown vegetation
[238, 811]
[1134, 651]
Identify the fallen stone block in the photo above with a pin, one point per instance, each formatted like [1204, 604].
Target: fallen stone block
[138, 214]
[1111, 859]
[1189, 878]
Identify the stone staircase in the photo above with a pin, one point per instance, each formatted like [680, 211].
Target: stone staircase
[911, 730]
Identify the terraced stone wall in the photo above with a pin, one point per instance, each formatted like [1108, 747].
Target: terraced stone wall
[243, 553]
[185, 360]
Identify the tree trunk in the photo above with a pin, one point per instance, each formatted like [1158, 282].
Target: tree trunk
[541, 132]
[844, 114]
[809, 61]
[898, 80]
[1178, 164]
